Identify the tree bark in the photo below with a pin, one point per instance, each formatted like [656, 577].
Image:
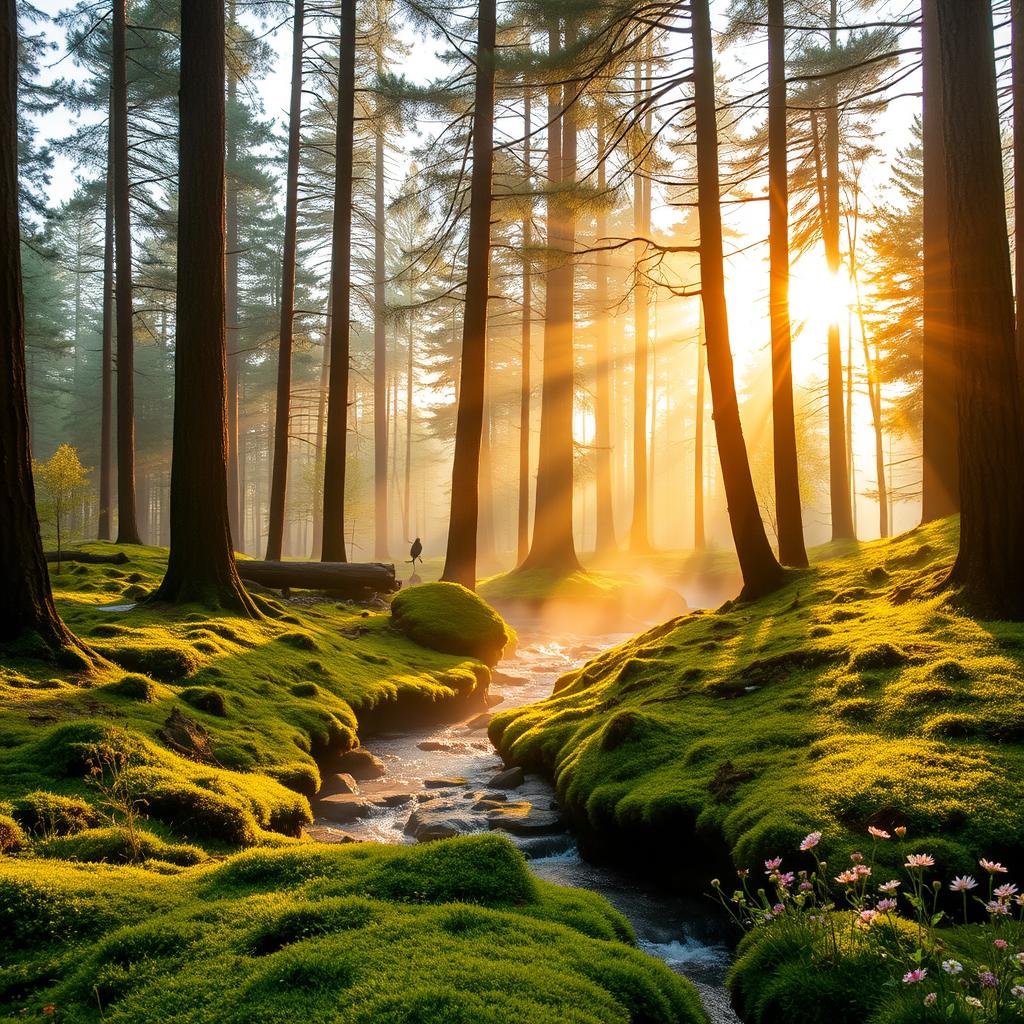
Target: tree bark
[351, 579]
[461, 554]
[127, 521]
[107, 347]
[201, 564]
[990, 563]
[604, 535]
[380, 359]
[699, 539]
[279, 473]
[333, 546]
[787, 480]
[523, 518]
[553, 546]
[761, 572]
[409, 369]
[231, 281]
[1017, 74]
[26, 603]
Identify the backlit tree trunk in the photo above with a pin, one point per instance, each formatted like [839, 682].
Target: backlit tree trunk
[282, 415]
[460, 557]
[940, 486]
[231, 279]
[26, 604]
[990, 563]
[1017, 54]
[333, 546]
[201, 565]
[761, 572]
[523, 512]
[699, 540]
[107, 350]
[380, 359]
[787, 482]
[127, 523]
[553, 545]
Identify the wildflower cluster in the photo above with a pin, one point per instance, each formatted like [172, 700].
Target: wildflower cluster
[850, 908]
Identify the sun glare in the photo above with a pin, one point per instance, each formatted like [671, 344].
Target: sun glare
[817, 296]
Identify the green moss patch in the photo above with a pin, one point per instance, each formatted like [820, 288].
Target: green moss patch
[756, 724]
[448, 617]
[452, 933]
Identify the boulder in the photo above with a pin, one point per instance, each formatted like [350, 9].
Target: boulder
[510, 778]
[339, 783]
[360, 764]
[326, 834]
[508, 679]
[447, 782]
[523, 819]
[449, 746]
[391, 797]
[480, 722]
[441, 819]
[343, 808]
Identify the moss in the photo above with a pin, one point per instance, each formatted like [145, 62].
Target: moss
[758, 727]
[205, 698]
[134, 687]
[115, 846]
[47, 814]
[12, 837]
[319, 933]
[448, 617]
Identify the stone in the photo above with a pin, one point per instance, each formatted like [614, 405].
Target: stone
[523, 819]
[326, 834]
[510, 778]
[391, 797]
[441, 819]
[447, 782]
[360, 764]
[449, 746]
[493, 699]
[343, 808]
[508, 679]
[480, 722]
[341, 782]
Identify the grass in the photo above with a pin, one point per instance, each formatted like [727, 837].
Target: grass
[855, 695]
[450, 933]
[448, 617]
[218, 721]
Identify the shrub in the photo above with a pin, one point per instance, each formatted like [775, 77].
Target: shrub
[12, 838]
[46, 814]
[115, 845]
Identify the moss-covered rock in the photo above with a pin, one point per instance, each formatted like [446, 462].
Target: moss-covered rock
[448, 617]
[116, 845]
[456, 933]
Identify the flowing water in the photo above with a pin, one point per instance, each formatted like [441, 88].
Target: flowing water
[451, 766]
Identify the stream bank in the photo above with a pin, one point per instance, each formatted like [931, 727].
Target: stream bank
[434, 781]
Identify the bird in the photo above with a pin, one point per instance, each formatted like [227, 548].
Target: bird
[416, 551]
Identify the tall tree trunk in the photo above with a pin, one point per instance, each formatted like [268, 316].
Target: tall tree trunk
[523, 518]
[940, 487]
[990, 563]
[1017, 55]
[321, 419]
[460, 557]
[699, 540]
[761, 572]
[333, 545]
[553, 545]
[380, 359]
[787, 481]
[409, 369]
[231, 281]
[487, 549]
[201, 564]
[107, 347]
[26, 603]
[282, 416]
[639, 538]
[604, 537]
[127, 522]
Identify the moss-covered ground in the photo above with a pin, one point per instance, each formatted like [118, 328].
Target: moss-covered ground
[219, 720]
[856, 695]
[453, 933]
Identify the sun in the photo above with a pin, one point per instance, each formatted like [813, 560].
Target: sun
[817, 297]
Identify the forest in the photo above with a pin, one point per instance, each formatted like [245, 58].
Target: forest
[511, 511]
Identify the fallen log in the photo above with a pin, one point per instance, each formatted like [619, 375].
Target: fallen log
[346, 579]
[89, 557]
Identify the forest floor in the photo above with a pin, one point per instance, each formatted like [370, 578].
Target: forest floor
[128, 799]
[857, 695]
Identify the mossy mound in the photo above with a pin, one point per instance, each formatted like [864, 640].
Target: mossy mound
[448, 617]
[451, 933]
[220, 719]
[855, 695]
[604, 599]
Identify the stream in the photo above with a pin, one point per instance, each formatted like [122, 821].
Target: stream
[444, 779]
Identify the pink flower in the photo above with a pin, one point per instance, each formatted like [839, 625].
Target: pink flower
[1004, 892]
[856, 857]
[963, 883]
[931, 999]
[997, 908]
[920, 860]
[1000, 943]
[773, 865]
[900, 830]
[806, 886]
[878, 833]
[862, 871]
[847, 877]
[988, 979]
[778, 908]
[891, 886]
[914, 976]
[810, 841]
[785, 880]
[885, 905]
[992, 867]
[867, 917]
